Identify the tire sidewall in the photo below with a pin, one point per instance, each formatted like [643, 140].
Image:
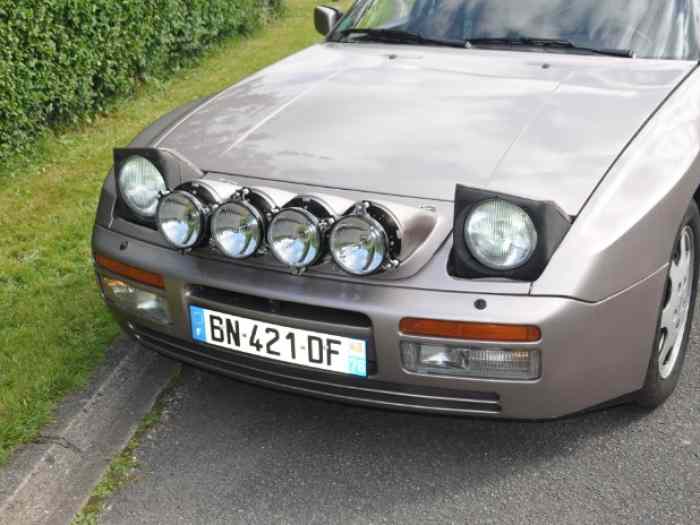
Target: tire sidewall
[657, 389]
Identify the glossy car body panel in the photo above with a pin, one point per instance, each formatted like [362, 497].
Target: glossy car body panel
[491, 119]
[626, 231]
[614, 143]
[591, 352]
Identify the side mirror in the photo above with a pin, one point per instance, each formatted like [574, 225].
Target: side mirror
[325, 19]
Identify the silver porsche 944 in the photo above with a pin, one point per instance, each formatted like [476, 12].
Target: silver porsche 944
[478, 207]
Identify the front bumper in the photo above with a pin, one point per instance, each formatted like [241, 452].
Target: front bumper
[591, 352]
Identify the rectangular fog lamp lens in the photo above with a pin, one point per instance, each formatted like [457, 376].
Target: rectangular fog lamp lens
[139, 302]
[505, 364]
[471, 362]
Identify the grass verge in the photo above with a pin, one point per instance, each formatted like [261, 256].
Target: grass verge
[124, 465]
[53, 326]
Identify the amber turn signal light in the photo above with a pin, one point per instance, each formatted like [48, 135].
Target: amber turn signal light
[131, 272]
[510, 333]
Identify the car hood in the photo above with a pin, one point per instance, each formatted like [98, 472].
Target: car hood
[416, 121]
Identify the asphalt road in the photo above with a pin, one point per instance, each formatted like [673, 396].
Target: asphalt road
[228, 452]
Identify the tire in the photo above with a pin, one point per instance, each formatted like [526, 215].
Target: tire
[668, 356]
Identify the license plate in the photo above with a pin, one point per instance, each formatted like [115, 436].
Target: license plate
[280, 343]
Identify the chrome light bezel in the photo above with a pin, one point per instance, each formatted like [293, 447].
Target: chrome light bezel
[201, 208]
[314, 222]
[257, 215]
[360, 214]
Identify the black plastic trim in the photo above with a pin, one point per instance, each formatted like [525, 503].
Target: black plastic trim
[551, 223]
[335, 318]
[364, 391]
[157, 157]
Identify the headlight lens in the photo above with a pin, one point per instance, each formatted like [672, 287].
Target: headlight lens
[181, 219]
[140, 185]
[358, 244]
[237, 229]
[500, 235]
[295, 238]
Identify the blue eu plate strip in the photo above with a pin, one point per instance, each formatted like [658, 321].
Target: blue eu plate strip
[199, 332]
[357, 366]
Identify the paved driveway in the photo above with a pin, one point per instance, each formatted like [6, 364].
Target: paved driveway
[228, 452]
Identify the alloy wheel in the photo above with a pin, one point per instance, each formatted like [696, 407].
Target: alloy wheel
[675, 315]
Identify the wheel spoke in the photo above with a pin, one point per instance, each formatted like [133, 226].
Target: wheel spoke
[670, 331]
[674, 317]
[676, 274]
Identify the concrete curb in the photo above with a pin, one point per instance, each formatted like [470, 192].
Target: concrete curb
[51, 479]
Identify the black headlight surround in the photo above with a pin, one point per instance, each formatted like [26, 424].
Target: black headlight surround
[169, 166]
[550, 221]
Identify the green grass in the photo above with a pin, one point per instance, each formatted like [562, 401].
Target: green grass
[53, 326]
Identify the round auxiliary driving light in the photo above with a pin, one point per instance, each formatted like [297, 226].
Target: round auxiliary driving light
[295, 238]
[500, 235]
[140, 185]
[359, 244]
[181, 219]
[237, 229]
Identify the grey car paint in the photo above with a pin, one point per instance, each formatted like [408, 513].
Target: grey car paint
[599, 296]
[581, 368]
[150, 135]
[419, 123]
[549, 134]
[626, 230]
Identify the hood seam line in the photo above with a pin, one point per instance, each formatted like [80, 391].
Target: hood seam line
[523, 130]
[277, 111]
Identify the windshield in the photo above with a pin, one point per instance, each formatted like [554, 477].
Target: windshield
[648, 28]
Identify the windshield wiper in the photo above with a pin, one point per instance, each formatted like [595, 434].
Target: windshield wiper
[400, 36]
[548, 43]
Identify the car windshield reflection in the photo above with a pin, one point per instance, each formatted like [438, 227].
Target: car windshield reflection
[645, 28]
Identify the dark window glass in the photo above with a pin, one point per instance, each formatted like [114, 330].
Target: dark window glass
[649, 28]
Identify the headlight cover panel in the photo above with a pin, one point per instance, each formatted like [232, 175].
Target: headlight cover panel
[140, 185]
[493, 221]
[550, 221]
[171, 166]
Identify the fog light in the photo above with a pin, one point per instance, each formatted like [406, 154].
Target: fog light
[139, 302]
[486, 363]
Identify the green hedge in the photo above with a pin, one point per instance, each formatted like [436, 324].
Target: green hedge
[63, 60]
